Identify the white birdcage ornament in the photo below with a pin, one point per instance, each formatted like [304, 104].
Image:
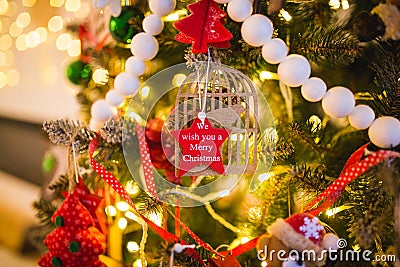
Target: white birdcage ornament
[229, 100]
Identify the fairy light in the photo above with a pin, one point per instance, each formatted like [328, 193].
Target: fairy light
[145, 91]
[264, 264]
[57, 3]
[132, 188]
[33, 39]
[132, 247]
[264, 176]
[20, 43]
[285, 15]
[62, 41]
[23, 20]
[334, 4]
[267, 75]
[42, 34]
[137, 263]
[111, 211]
[122, 223]
[345, 4]
[100, 76]
[28, 3]
[316, 123]
[74, 48]
[72, 5]
[122, 206]
[175, 15]
[15, 30]
[55, 24]
[178, 79]
[4, 7]
[334, 211]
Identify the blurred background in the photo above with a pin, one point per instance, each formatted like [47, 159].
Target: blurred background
[34, 53]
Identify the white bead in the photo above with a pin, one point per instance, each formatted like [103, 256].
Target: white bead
[126, 84]
[144, 46]
[330, 241]
[385, 132]
[361, 117]
[313, 89]
[257, 30]
[294, 70]
[222, 1]
[95, 125]
[135, 66]
[239, 10]
[162, 7]
[101, 111]
[153, 24]
[274, 51]
[113, 98]
[338, 102]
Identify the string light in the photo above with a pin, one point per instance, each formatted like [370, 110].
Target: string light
[28, 3]
[122, 223]
[111, 211]
[74, 48]
[3, 7]
[145, 91]
[132, 246]
[23, 20]
[285, 15]
[55, 24]
[122, 206]
[56, 3]
[100, 76]
[72, 5]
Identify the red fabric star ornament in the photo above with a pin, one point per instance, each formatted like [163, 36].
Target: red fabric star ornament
[201, 146]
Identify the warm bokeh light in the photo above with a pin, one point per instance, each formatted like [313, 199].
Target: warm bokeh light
[5, 42]
[122, 223]
[100, 76]
[3, 7]
[29, 3]
[3, 79]
[55, 24]
[74, 48]
[42, 34]
[32, 39]
[15, 30]
[23, 20]
[111, 211]
[57, 3]
[20, 43]
[132, 246]
[334, 4]
[145, 91]
[345, 4]
[63, 41]
[178, 79]
[122, 206]
[72, 5]
[13, 77]
[285, 15]
[83, 12]
[9, 58]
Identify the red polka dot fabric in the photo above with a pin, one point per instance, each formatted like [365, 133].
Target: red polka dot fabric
[75, 225]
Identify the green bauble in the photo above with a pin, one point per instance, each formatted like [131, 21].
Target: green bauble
[79, 72]
[126, 25]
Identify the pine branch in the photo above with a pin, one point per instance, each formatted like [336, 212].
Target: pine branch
[386, 91]
[44, 211]
[60, 185]
[327, 43]
[310, 180]
[66, 132]
[307, 133]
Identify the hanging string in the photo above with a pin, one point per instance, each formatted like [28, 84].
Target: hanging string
[143, 242]
[203, 104]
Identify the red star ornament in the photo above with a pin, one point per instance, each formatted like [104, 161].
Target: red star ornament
[201, 146]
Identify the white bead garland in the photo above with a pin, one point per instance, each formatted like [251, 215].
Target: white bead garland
[239, 10]
[313, 89]
[274, 51]
[126, 84]
[256, 30]
[101, 111]
[113, 98]
[162, 7]
[153, 24]
[135, 66]
[361, 117]
[338, 102]
[385, 132]
[293, 70]
[144, 46]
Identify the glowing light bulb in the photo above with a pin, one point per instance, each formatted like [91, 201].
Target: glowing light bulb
[55, 24]
[100, 76]
[23, 20]
[63, 41]
[122, 223]
[145, 91]
[111, 211]
[74, 48]
[28, 3]
[73, 5]
[132, 246]
[4, 7]
[122, 206]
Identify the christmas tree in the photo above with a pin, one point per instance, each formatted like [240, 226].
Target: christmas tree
[297, 174]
